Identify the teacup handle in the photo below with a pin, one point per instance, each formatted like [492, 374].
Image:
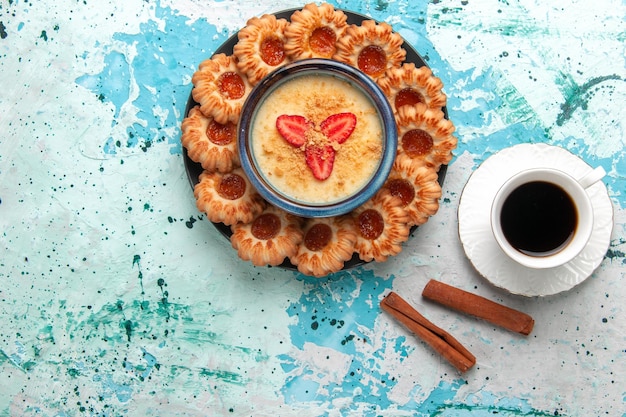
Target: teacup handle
[592, 177]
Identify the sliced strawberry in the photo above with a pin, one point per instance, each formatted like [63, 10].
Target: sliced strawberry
[320, 160]
[339, 127]
[293, 128]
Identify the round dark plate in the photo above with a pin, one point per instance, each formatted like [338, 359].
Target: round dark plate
[194, 169]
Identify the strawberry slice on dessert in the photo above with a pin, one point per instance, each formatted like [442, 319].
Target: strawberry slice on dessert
[320, 160]
[293, 128]
[319, 154]
[338, 127]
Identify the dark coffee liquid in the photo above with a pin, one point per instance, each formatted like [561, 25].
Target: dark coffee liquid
[538, 218]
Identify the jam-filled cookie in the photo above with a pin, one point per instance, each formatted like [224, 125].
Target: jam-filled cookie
[327, 244]
[382, 227]
[425, 135]
[220, 88]
[261, 47]
[270, 238]
[227, 197]
[417, 187]
[314, 31]
[212, 144]
[409, 85]
[371, 47]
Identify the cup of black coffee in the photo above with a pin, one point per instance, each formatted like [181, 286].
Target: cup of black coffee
[543, 217]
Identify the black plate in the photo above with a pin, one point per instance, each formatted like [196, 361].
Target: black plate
[194, 169]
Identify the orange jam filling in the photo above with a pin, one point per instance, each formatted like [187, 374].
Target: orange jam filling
[266, 226]
[221, 134]
[272, 51]
[370, 224]
[402, 189]
[408, 97]
[417, 142]
[322, 41]
[372, 60]
[318, 236]
[232, 187]
[231, 86]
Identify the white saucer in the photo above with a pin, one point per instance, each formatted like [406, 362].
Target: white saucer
[481, 247]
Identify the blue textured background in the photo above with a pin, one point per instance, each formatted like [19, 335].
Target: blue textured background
[118, 298]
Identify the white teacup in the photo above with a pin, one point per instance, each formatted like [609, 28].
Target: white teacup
[543, 217]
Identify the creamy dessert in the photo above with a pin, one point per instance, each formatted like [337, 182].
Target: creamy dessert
[317, 138]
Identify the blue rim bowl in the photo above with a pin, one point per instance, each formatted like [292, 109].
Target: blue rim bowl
[317, 66]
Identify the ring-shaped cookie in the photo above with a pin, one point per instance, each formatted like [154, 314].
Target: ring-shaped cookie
[314, 31]
[220, 88]
[227, 198]
[425, 135]
[382, 227]
[409, 85]
[417, 186]
[270, 238]
[212, 144]
[327, 244]
[260, 48]
[371, 47]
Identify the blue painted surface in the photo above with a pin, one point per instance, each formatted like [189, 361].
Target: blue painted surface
[118, 298]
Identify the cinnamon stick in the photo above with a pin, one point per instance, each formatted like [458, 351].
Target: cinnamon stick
[478, 306]
[437, 338]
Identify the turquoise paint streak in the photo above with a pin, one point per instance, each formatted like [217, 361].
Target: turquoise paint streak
[490, 405]
[111, 389]
[115, 81]
[165, 58]
[402, 347]
[522, 124]
[182, 46]
[328, 322]
[337, 327]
